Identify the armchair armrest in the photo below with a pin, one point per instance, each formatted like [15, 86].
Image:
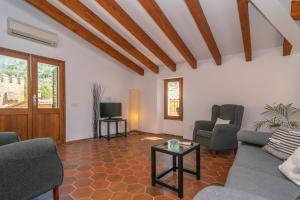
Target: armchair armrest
[253, 137]
[202, 125]
[29, 168]
[224, 137]
[222, 193]
[8, 137]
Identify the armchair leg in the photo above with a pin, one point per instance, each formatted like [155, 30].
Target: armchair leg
[235, 150]
[213, 153]
[55, 193]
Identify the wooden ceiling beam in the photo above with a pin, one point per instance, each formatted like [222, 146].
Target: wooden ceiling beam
[295, 14]
[116, 11]
[245, 27]
[203, 26]
[287, 47]
[86, 14]
[295, 10]
[162, 21]
[72, 25]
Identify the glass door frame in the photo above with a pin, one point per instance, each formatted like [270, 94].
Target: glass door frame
[21, 111]
[61, 95]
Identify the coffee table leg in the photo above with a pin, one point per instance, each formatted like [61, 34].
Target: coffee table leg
[153, 167]
[108, 131]
[180, 176]
[174, 163]
[198, 163]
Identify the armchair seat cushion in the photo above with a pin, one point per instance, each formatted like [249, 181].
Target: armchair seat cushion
[203, 133]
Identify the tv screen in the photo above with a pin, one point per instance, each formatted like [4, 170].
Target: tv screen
[109, 110]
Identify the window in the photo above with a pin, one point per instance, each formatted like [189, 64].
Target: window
[173, 101]
[47, 85]
[13, 82]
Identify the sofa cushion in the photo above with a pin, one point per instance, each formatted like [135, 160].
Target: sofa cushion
[253, 137]
[255, 158]
[222, 193]
[262, 184]
[283, 143]
[291, 167]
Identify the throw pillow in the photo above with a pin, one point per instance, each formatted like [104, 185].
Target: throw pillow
[291, 167]
[283, 143]
[222, 121]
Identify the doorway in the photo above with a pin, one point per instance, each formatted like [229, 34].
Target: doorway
[32, 95]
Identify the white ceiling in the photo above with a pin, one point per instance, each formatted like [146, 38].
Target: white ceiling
[222, 16]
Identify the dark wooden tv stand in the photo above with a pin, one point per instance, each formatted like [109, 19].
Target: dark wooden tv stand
[112, 120]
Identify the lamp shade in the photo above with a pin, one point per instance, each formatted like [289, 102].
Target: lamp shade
[134, 109]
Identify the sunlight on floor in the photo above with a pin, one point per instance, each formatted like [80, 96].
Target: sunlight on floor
[152, 138]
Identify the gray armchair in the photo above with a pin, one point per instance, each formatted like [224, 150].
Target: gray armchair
[28, 168]
[223, 136]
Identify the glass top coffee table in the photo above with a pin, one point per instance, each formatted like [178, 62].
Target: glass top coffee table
[178, 153]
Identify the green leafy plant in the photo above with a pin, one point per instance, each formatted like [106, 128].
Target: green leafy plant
[46, 91]
[279, 115]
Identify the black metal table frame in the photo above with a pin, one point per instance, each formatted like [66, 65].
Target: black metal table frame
[155, 179]
[108, 121]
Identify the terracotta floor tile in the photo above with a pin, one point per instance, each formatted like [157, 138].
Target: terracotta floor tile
[114, 177]
[130, 179]
[142, 197]
[154, 191]
[99, 176]
[117, 186]
[136, 188]
[101, 195]
[82, 192]
[69, 180]
[121, 169]
[82, 182]
[121, 196]
[65, 190]
[162, 198]
[100, 184]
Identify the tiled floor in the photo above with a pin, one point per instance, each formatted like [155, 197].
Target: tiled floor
[120, 170]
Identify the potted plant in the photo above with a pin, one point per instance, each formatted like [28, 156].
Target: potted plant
[279, 115]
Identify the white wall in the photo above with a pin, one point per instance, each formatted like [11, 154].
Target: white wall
[269, 78]
[84, 65]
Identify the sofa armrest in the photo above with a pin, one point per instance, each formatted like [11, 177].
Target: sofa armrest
[222, 193]
[8, 137]
[253, 137]
[29, 168]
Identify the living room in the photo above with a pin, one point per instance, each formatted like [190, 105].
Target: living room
[224, 62]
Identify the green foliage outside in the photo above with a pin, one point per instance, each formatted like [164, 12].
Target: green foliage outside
[46, 91]
[18, 68]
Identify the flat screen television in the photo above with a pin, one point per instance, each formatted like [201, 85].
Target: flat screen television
[109, 110]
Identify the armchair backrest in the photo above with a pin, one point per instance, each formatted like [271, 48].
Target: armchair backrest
[231, 112]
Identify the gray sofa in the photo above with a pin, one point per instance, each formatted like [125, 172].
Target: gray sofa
[28, 168]
[254, 174]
